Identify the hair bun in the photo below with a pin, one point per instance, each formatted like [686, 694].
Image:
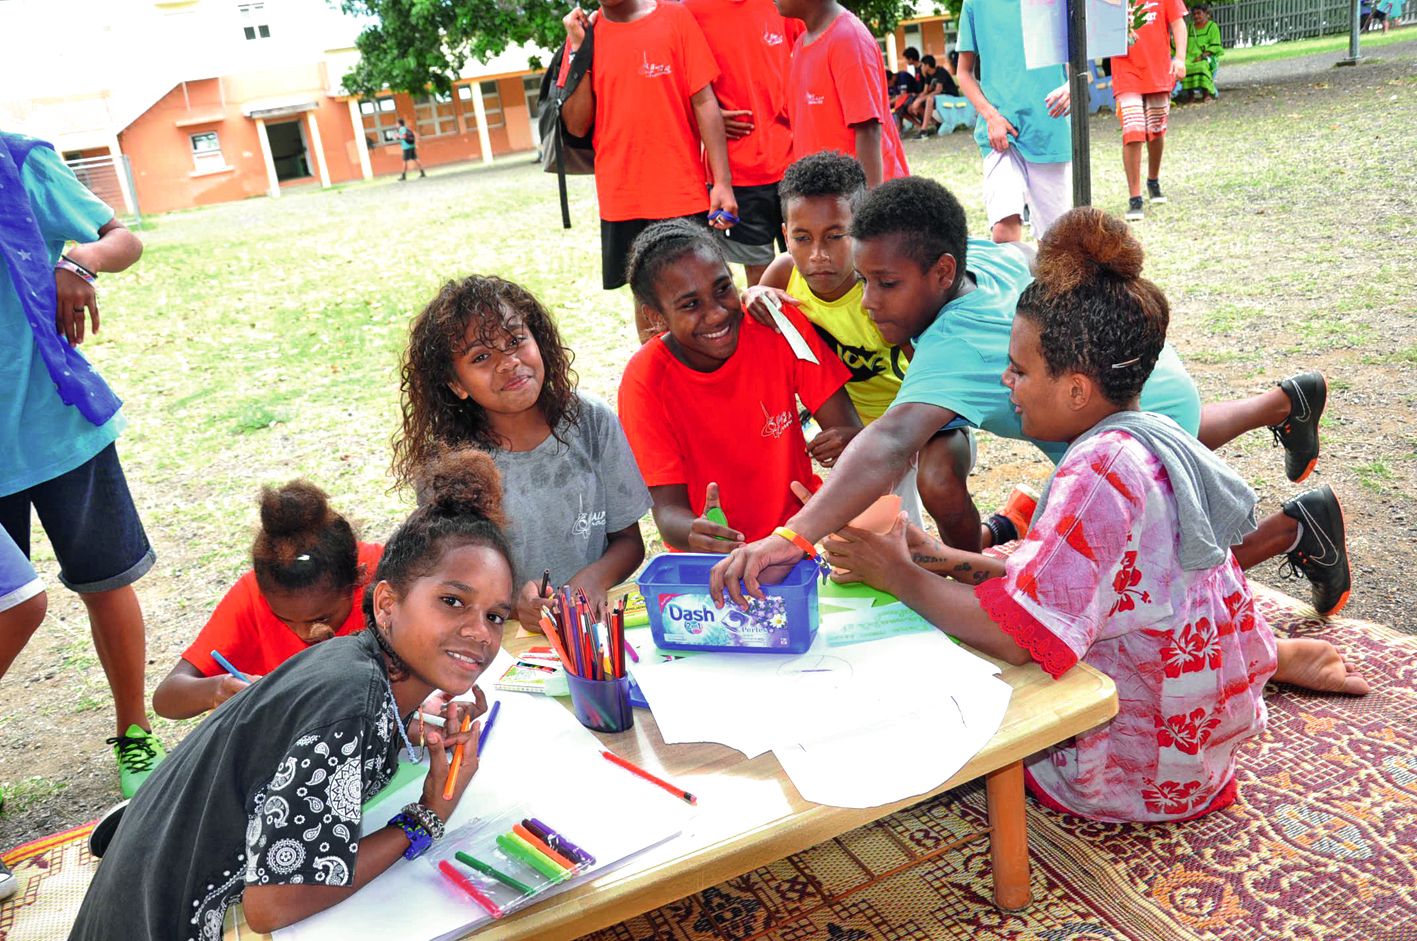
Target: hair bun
[461, 482]
[293, 509]
[1083, 243]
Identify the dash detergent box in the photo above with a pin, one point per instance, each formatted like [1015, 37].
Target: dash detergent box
[682, 616]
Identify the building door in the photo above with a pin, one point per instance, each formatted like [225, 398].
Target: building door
[288, 150]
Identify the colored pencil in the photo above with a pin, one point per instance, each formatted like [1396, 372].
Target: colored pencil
[497, 874]
[473, 892]
[225, 664]
[524, 852]
[545, 582]
[637, 770]
[487, 726]
[541, 846]
[456, 765]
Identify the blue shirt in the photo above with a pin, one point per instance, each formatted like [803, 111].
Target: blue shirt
[41, 437]
[993, 30]
[961, 356]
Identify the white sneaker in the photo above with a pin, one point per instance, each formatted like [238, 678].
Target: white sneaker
[8, 882]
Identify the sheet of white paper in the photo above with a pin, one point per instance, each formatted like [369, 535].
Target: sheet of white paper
[536, 746]
[789, 332]
[828, 695]
[902, 757]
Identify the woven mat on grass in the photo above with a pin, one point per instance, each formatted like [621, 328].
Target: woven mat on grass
[1321, 847]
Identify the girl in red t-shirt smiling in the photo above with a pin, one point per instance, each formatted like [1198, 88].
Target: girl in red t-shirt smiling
[710, 406]
[306, 585]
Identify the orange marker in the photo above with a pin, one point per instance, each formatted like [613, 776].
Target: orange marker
[456, 765]
[635, 769]
[542, 847]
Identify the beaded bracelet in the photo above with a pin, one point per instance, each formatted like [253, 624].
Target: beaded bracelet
[68, 264]
[425, 815]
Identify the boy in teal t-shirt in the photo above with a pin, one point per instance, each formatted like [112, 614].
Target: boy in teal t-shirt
[1022, 130]
[953, 298]
[58, 425]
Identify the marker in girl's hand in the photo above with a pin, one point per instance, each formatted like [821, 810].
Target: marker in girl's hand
[225, 664]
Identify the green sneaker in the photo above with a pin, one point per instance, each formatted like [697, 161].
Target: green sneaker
[138, 752]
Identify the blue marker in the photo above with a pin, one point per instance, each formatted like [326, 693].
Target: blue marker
[491, 718]
[225, 664]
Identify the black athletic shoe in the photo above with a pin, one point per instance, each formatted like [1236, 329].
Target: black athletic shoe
[1322, 553]
[1136, 211]
[1153, 192]
[1299, 433]
[103, 831]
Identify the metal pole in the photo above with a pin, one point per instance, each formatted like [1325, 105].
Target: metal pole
[1077, 66]
[1353, 29]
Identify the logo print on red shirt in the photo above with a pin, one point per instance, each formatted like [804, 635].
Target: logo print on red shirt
[775, 426]
[653, 70]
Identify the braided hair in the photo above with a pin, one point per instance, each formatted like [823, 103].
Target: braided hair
[659, 245]
[459, 504]
[1095, 313]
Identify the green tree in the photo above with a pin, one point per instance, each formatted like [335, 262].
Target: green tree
[417, 44]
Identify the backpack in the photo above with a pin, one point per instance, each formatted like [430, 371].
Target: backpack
[563, 153]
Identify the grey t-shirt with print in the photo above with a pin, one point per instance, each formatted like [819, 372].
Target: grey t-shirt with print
[564, 497]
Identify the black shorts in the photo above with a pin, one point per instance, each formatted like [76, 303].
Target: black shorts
[89, 517]
[410, 154]
[615, 241]
[754, 240]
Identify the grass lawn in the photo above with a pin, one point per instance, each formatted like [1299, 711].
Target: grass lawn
[259, 341]
[1368, 42]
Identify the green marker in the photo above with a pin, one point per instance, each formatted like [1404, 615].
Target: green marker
[714, 514]
[515, 846]
[475, 863]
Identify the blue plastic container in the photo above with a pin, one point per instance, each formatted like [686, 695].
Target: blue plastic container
[682, 615]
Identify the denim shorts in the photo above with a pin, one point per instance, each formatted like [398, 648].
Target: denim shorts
[89, 517]
[18, 580]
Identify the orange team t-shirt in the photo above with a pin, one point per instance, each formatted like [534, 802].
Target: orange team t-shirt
[736, 425]
[1146, 68]
[647, 149]
[248, 633]
[838, 80]
[752, 44]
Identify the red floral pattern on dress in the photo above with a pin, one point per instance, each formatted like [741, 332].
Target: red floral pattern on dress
[1100, 580]
[1198, 648]
[1188, 731]
[1125, 585]
[1171, 798]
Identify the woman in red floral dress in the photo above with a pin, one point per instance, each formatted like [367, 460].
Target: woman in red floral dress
[1127, 565]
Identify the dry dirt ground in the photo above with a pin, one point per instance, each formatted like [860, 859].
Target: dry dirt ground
[256, 342]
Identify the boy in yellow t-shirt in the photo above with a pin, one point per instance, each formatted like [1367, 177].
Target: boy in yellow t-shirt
[819, 196]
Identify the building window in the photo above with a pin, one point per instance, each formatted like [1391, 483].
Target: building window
[491, 103]
[206, 151]
[381, 121]
[531, 84]
[252, 18]
[434, 115]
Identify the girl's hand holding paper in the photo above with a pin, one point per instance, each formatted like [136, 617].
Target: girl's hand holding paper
[755, 303]
[869, 557]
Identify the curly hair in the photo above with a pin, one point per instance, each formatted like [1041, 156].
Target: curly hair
[827, 173]
[657, 246]
[924, 212]
[433, 417]
[459, 504]
[302, 542]
[1095, 313]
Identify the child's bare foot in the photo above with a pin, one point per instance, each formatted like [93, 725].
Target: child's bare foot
[1310, 663]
